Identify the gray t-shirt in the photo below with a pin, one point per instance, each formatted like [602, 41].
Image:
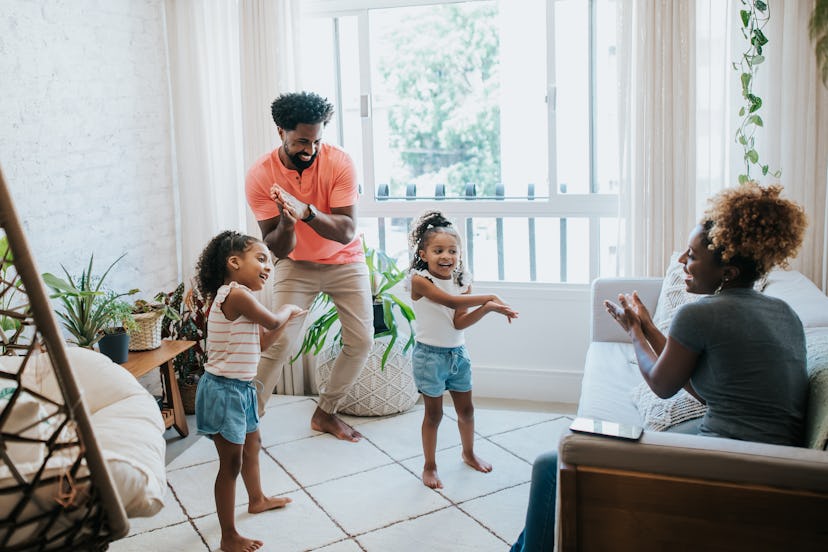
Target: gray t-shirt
[751, 369]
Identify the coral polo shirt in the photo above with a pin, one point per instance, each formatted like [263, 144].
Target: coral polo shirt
[329, 182]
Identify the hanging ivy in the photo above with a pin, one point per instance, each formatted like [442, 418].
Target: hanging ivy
[754, 16]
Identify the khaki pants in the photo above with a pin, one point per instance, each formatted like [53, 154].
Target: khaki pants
[299, 282]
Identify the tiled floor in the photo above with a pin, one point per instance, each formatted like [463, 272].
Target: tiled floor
[366, 496]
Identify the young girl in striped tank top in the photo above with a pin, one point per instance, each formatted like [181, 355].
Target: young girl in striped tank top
[229, 269]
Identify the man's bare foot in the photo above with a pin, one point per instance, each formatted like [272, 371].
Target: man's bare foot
[268, 503]
[475, 462]
[238, 543]
[328, 423]
[431, 479]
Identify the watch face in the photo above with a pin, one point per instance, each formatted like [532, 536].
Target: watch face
[311, 213]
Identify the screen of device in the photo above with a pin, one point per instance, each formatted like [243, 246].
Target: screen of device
[609, 429]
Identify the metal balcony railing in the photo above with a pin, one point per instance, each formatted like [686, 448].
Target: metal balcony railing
[470, 193]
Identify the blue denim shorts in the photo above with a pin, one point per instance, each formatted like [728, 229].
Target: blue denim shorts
[437, 369]
[226, 406]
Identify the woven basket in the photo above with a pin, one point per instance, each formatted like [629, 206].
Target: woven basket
[148, 333]
[376, 392]
[188, 396]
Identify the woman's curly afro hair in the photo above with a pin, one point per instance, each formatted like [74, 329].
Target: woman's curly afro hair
[753, 228]
[290, 109]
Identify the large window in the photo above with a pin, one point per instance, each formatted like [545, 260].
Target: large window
[501, 114]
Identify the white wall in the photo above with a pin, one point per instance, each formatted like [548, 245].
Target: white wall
[540, 356]
[85, 142]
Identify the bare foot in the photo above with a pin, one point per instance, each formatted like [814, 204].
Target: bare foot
[328, 423]
[431, 479]
[268, 503]
[475, 462]
[238, 543]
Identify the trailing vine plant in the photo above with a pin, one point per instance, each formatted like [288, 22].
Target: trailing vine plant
[754, 16]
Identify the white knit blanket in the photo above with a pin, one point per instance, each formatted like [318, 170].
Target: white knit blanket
[659, 414]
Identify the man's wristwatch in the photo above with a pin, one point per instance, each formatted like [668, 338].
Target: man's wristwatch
[311, 213]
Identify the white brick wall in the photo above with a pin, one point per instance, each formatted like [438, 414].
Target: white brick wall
[85, 136]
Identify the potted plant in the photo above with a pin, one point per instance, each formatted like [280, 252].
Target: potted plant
[383, 275]
[386, 384]
[14, 305]
[89, 310]
[149, 320]
[116, 334]
[186, 318]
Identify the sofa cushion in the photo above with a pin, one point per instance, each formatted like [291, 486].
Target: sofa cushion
[659, 414]
[801, 294]
[610, 371]
[816, 421]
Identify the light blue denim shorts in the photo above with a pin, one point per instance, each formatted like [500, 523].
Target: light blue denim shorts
[437, 369]
[226, 406]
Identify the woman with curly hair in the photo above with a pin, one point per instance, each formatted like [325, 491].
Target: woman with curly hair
[738, 350]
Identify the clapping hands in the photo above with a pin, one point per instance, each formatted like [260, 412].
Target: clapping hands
[630, 312]
[288, 205]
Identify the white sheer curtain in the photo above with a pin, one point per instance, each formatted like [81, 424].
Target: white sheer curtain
[679, 98]
[268, 31]
[795, 137]
[203, 40]
[657, 110]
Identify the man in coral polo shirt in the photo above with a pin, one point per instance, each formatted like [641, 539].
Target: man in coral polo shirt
[304, 196]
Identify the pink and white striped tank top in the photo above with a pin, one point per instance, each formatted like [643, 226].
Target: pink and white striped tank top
[233, 347]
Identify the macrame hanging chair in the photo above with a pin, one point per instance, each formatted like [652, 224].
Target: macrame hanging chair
[56, 492]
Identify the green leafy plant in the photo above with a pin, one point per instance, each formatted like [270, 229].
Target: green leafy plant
[754, 16]
[89, 308]
[186, 318]
[818, 31]
[14, 305]
[384, 275]
[159, 303]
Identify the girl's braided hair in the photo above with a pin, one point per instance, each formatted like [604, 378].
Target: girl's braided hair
[211, 268]
[423, 228]
[753, 228]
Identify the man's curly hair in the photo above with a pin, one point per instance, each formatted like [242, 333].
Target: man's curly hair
[290, 109]
[753, 228]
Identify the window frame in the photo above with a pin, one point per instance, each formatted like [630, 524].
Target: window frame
[592, 206]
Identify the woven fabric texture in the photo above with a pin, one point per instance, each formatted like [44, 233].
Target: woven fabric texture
[376, 392]
[147, 335]
[673, 295]
[659, 414]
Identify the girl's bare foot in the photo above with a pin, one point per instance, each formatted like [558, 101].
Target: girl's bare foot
[475, 462]
[431, 479]
[268, 503]
[238, 543]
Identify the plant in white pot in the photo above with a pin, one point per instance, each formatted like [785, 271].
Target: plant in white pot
[386, 384]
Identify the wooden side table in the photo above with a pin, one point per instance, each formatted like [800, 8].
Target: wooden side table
[140, 363]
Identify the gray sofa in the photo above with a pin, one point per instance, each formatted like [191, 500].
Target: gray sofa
[676, 491]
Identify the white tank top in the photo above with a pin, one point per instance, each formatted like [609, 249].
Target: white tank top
[434, 323]
[233, 346]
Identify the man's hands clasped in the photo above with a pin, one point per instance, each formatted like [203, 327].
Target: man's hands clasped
[289, 207]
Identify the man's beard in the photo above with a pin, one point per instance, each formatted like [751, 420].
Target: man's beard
[300, 163]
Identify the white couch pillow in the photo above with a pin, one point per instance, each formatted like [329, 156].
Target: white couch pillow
[673, 294]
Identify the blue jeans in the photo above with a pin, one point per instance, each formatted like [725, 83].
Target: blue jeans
[539, 533]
